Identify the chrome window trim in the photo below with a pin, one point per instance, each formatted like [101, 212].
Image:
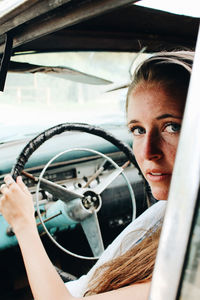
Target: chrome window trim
[182, 197]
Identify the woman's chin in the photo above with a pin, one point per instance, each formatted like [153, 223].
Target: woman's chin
[160, 194]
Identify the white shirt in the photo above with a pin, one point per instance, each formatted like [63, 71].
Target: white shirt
[125, 240]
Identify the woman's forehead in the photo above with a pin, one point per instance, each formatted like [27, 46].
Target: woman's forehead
[153, 100]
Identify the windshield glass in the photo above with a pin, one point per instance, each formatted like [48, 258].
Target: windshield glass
[32, 102]
[181, 7]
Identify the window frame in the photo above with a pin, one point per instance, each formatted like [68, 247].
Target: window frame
[183, 196]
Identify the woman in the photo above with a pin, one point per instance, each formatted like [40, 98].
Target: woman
[155, 105]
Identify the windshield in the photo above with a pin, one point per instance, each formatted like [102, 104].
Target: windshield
[188, 8]
[32, 102]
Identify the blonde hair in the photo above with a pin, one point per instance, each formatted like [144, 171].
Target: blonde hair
[134, 266]
[171, 69]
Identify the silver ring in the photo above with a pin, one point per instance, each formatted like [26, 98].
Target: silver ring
[3, 186]
[9, 182]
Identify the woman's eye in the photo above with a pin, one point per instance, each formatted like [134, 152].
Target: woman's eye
[172, 128]
[137, 130]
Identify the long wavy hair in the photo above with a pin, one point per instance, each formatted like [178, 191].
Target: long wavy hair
[172, 70]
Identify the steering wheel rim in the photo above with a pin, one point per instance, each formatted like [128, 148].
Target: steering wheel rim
[38, 188]
[36, 142]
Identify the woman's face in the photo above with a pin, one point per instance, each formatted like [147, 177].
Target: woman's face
[154, 118]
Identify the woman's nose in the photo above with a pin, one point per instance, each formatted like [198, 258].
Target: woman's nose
[152, 147]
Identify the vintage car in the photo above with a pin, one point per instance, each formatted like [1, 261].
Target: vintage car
[65, 69]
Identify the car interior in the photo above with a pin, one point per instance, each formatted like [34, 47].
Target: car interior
[65, 69]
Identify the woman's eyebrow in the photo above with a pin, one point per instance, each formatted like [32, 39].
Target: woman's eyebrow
[132, 121]
[164, 116]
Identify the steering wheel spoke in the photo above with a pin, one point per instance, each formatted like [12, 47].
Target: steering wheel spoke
[92, 231]
[104, 184]
[59, 191]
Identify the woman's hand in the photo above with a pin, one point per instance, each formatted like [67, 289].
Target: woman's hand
[16, 204]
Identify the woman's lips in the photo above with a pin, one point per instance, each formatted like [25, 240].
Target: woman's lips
[157, 176]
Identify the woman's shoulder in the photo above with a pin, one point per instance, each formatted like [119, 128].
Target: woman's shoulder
[147, 220]
[136, 230]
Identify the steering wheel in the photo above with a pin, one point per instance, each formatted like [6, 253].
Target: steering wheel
[82, 206]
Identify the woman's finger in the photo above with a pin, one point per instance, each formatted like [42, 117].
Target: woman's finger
[22, 185]
[3, 187]
[8, 180]
[16, 204]
[1, 198]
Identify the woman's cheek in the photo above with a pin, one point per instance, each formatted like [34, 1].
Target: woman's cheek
[170, 148]
[137, 152]
[171, 140]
